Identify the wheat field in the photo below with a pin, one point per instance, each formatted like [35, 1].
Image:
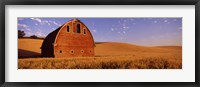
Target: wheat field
[108, 55]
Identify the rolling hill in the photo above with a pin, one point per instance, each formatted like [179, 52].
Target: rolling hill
[31, 48]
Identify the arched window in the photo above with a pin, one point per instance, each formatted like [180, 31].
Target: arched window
[68, 28]
[78, 28]
[84, 31]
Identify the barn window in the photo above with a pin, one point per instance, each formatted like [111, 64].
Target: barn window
[72, 51]
[82, 51]
[90, 51]
[60, 51]
[84, 31]
[78, 28]
[68, 27]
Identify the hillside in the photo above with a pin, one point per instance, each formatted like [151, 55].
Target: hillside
[31, 48]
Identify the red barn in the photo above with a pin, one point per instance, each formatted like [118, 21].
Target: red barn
[72, 39]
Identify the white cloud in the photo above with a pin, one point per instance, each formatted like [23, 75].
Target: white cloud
[40, 34]
[46, 22]
[112, 29]
[23, 26]
[94, 31]
[21, 29]
[37, 19]
[41, 21]
[39, 30]
[124, 32]
[28, 29]
[124, 27]
[55, 23]
[29, 33]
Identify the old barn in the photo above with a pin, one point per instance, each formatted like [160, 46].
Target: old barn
[72, 39]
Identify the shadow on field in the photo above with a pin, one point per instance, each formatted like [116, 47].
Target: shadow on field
[100, 42]
[27, 54]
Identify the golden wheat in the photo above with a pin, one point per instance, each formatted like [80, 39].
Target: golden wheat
[109, 62]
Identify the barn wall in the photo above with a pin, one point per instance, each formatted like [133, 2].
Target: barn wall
[77, 52]
[78, 42]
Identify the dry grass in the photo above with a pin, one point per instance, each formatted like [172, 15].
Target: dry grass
[30, 44]
[109, 55]
[122, 62]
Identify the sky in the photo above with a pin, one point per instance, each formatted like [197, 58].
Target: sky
[138, 31]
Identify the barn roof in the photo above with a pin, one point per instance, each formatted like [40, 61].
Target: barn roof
[50, 38]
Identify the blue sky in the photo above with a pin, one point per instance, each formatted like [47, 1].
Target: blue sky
[139, 31]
